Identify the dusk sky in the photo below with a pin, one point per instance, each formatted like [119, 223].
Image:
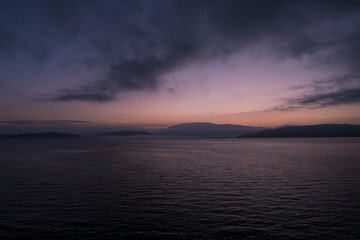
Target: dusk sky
[156, 63]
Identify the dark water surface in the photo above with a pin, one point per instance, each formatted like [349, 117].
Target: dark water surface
[180, 189]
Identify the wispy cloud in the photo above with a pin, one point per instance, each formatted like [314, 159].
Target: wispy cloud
[55, 122]
[327, 92]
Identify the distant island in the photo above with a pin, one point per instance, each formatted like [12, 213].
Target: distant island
[323, 130]
[211, 130]
[127, 133]
[42, 135]
[202, 129]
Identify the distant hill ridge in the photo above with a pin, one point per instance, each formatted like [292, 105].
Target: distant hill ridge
[322, 130]
[126, 133]
[43, 135]
[203, 129]
[217, 130]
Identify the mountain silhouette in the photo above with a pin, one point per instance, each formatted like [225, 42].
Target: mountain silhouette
[208, 130]
[323, 130]
[126, 133]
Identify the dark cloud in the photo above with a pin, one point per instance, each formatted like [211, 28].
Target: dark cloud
[62, 121]
[56, 122]
[139, 42]
[12, 45]
[340, 97]
[9, 42]
[18, 122]
[329, 92]
[344, 96]
[82, 95]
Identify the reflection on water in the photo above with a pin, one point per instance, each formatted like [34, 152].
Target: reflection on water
[180, 189]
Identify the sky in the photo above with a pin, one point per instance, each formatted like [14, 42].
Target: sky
[155, 63]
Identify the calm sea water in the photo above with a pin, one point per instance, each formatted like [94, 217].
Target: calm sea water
[180, 189]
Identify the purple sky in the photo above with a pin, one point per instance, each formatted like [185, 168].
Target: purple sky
[153, 63]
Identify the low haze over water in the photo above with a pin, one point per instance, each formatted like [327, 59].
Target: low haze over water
[180, 188]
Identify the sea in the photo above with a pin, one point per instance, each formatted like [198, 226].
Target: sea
[221, 188]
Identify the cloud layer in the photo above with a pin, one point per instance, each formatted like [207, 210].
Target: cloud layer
[138, 42]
